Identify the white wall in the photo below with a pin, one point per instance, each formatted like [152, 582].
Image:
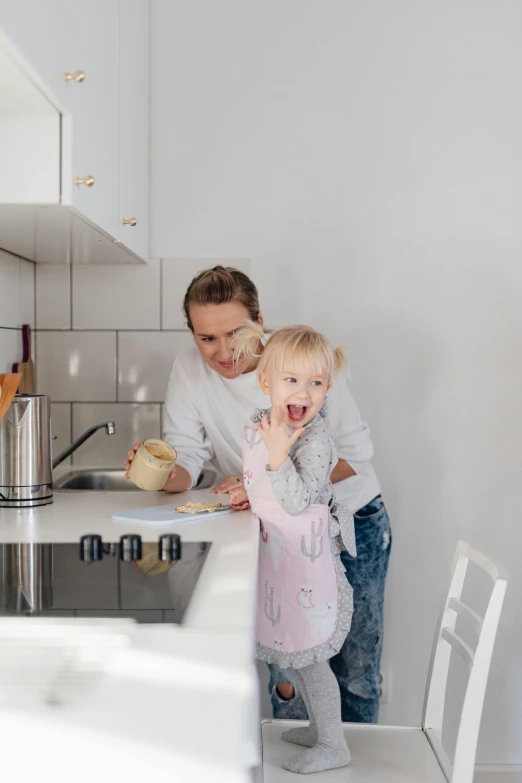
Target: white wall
[367, 157]
[16, 307]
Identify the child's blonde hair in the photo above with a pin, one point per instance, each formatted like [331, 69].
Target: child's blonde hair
[290, 347]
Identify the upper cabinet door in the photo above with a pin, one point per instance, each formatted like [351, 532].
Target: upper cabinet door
[134, 126]
[60, 37]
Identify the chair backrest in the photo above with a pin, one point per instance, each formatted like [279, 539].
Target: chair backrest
[478, 662]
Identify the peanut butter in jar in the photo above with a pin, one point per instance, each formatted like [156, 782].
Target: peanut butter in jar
[152, 464]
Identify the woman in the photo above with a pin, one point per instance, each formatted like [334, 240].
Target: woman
[209, 400]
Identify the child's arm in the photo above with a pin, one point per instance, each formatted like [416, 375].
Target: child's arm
[300, 480]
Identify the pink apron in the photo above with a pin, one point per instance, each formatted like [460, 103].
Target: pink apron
[304, 601]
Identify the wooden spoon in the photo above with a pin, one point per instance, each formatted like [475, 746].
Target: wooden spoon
[9, 383]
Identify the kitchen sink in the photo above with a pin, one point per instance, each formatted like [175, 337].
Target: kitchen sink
[113, 480]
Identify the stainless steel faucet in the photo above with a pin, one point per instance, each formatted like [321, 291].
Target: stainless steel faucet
[110, 429]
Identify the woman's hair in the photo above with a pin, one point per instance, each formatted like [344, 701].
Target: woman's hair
[289, 348]
[220, 285]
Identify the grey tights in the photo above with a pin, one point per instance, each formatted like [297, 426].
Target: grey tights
[324, 737]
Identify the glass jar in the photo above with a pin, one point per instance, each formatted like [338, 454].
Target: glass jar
[152, 464]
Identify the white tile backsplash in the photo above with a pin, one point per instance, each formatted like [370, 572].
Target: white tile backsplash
[104, 349]
[10, 348]
[133, 423]
[16, 291]
[16, 306]
[116, 297]
[27, 292]
[76, 366]
[61, 428]
[9, 290]
[145, 362]
[53, 309]
[177, 273]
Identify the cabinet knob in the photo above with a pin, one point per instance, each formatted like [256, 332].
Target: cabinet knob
[129, 222]
[88, 181]
[77, 76]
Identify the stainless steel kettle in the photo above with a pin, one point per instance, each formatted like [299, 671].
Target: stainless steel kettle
[26, 578]
[25, 452]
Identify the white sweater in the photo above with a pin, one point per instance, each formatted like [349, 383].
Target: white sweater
[205, 415]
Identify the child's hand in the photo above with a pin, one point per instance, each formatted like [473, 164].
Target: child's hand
[238, 499]
[276, 438]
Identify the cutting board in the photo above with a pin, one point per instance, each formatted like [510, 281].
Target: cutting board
[165, 515]
[26, 366]
[9, 383]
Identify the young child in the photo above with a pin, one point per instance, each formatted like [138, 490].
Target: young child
[304, 599]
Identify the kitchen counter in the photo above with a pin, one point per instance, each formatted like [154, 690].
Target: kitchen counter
[210, 684]
[225, 593]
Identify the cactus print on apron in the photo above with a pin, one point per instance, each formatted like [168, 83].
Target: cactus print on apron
[304, 601]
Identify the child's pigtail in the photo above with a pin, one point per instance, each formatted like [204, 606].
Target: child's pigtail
[247, 340]
[340, 360]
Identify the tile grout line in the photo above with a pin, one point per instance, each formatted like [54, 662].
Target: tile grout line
[109, 329]
[117, 364]
[107, 402]
[160, 294]
[33, 327]
[71, 296]
[72, 428]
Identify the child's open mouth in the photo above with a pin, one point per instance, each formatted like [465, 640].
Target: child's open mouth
[296, 412]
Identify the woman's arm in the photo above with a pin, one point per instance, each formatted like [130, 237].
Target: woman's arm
[341, 472]
[352, 435]
[184, 430]
[180, 482]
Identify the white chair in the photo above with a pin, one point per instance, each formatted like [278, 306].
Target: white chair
[391, 754]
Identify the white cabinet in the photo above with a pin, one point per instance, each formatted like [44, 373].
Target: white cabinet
[29, 156]
[91, 61]
[29, 139]
[134, 126]
[58, 37]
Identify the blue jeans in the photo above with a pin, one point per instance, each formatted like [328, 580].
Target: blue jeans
[357, 665]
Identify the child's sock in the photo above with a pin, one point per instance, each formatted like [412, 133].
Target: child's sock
[303, 735]
[330, 751]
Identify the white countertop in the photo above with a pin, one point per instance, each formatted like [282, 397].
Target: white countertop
[225, 593]
[210, 656]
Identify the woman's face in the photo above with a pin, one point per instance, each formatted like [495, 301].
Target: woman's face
[214, 328]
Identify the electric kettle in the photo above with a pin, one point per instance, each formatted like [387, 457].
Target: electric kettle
[25, 452]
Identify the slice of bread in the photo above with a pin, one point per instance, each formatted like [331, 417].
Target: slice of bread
[198, 508]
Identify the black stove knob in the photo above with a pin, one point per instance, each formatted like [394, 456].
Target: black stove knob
[169, 547]
[130, 548]
[91, 548]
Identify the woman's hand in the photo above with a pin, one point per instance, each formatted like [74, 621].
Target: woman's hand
[228, 485]
[132, 454]
[238, 500]
[274, 433]
[234, 488]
